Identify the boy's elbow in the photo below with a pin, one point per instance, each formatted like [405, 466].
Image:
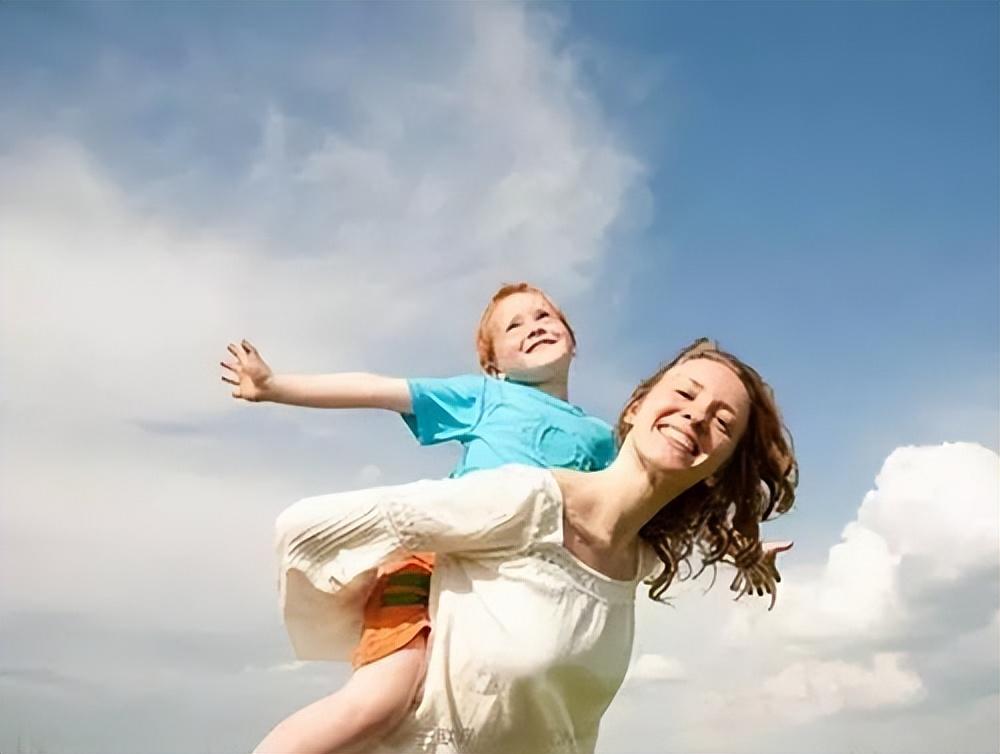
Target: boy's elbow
[392, 394]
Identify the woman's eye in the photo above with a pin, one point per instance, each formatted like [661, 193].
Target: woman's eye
[542, 315]
[684, 394]
[511, 326]
[723, 425]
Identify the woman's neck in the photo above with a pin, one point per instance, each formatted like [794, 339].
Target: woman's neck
[609, 507]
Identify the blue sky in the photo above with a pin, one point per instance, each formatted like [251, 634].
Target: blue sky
[813, 184]
[825, 195]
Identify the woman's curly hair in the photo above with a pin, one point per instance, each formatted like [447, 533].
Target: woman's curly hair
[722, 519]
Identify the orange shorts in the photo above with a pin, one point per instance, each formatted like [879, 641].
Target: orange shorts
[396, 612]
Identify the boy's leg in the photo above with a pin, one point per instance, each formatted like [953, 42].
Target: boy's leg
[370, 704]
[389, 667]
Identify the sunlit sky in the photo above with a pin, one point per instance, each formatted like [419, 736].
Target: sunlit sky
[815, 185]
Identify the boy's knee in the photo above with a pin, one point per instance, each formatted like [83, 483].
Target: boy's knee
[374, 717]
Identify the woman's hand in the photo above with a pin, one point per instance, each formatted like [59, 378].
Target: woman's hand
[762, 577]
[249, 372]
[773, 549]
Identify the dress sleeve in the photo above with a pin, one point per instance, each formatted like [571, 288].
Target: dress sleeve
[445, 409]
[330, 546]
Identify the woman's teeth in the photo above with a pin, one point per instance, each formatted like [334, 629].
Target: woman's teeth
[678, 438]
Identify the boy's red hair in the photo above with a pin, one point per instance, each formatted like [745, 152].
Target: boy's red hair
[484, 339]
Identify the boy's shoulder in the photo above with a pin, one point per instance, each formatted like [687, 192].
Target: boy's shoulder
[503, 391]
[459, 383]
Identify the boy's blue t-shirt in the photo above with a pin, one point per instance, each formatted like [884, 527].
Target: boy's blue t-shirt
[502, 422]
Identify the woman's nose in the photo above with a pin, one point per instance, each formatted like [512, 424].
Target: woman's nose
[696, 417]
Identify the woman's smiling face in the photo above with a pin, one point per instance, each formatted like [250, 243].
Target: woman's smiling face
[693, 418]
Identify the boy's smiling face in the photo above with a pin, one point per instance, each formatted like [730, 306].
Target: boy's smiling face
[530, 341]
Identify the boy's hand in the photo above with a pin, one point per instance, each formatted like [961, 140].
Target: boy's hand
[249, 372]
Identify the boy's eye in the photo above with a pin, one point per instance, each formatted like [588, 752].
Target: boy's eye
[512, 325]
[541, 315]
[723, 425]
[684, 394]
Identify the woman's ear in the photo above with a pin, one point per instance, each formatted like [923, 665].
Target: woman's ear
[492, 371]
[628, 415]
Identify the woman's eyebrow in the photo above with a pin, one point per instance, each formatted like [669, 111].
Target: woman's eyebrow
[718, 402]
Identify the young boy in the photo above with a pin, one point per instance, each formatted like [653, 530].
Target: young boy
[516, 412]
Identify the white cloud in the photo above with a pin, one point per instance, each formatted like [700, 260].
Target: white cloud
[881, 645]
[939, 503]
[651, 668]
[815, 688]
[930, 525]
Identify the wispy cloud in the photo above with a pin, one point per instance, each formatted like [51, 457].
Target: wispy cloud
[339, 208]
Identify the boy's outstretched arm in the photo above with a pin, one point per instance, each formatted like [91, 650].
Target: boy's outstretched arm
[255, 381]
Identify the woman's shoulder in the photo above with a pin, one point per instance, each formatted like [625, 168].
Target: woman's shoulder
[503, 485]
[526, 492]
[518, 474]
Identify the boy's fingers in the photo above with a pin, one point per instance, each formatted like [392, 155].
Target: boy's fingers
[230, 367]
[237, 352]
[230, 380]
[247, 345]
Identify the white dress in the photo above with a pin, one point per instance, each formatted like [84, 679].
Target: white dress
[529, 645]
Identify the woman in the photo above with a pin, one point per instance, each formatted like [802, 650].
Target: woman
[533, 599]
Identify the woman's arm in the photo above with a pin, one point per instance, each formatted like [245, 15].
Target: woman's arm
[255, 381]
[487, 512]
[329, 546]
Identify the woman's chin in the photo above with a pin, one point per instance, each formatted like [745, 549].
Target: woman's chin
[674, 460]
